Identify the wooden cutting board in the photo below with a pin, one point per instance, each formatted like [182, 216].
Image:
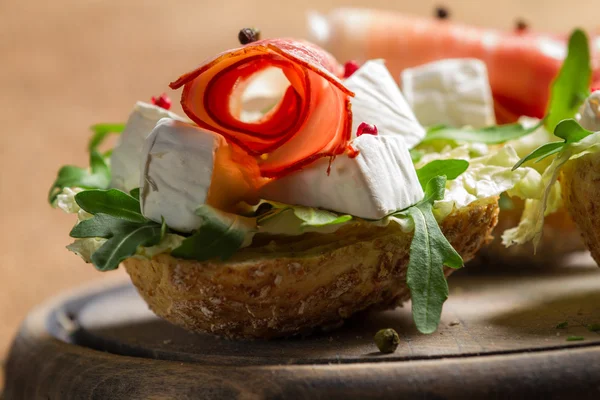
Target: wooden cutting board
[498, 338]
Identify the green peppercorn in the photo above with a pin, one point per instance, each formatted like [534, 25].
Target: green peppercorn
[387, 340]
[248, 35]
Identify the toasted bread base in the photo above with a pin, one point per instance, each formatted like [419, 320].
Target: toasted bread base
[560, 238]
[581, 190]
[285, 286]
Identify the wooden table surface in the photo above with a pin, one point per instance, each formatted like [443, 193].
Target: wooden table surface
[69, 63]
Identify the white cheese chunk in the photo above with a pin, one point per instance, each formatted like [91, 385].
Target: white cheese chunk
[184, 167]
[589, 113]
[454, 92]
[378, 181]
[378, 101]
[125, 158]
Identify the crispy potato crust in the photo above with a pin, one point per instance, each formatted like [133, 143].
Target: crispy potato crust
[288, 286]
[560, 238]
[581, 190]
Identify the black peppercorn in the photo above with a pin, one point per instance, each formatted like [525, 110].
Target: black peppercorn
[442, 13]
[387, 340]
[521, 25]
[248, 35]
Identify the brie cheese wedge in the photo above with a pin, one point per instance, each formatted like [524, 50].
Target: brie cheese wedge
[379, 180]
[184, 167]
[125, 158]
[589, 113]
[378, 101]
[454, 92]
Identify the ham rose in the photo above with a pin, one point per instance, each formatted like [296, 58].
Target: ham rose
[311, 120]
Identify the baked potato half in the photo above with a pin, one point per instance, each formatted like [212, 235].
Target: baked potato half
[581, 190]
[281, 286]
[560, 239]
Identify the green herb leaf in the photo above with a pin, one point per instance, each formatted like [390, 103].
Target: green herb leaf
[575, 338]
[101, 131]
[489, 135]
[429, 252]
[102, 225]
[594, 328]
[540, 153]
[112, 202]
[451, 169]
[220, 235]
[71, 176]
[135, 193]
[571, 86]
[569, 130]
[124, 245]
[562, 325]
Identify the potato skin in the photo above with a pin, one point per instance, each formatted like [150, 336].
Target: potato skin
[294, 285]
[581, 190]
[560, 238]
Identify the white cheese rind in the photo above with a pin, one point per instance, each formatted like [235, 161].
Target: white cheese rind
[125, 158]
[378, 101]
[381, 179]
[589, 113]
[454, 92]
[177, 169]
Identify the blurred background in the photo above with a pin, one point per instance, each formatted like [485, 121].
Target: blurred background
[66, 64]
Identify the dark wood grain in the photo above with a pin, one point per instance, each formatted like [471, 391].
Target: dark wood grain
[498, 339]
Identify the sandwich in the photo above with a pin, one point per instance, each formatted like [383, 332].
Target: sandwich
[521, 65]
[293, 191]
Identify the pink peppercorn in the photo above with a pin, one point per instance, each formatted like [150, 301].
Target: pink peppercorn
[162, 101]
[366, 129]
[349, 68]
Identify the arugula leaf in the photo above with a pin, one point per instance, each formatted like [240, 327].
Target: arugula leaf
[220, 235]
[112, 202]
[124, 237]
[429, 252]
[124, 245]
[135, 193]
[72, 176]
[569, 130]
[545, 150]
[571, 86]
[102, 225]
[450, 168]
[562, 325]
[101, 131]
[494, 134]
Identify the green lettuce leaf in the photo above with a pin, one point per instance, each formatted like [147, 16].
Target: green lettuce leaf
[429, 252]
[220, 235]
[571, 87]
[307, 217]
[577, 142]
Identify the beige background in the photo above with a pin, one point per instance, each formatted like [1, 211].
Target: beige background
[66, 64]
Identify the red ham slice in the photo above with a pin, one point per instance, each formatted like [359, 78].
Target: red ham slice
[312, 120]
